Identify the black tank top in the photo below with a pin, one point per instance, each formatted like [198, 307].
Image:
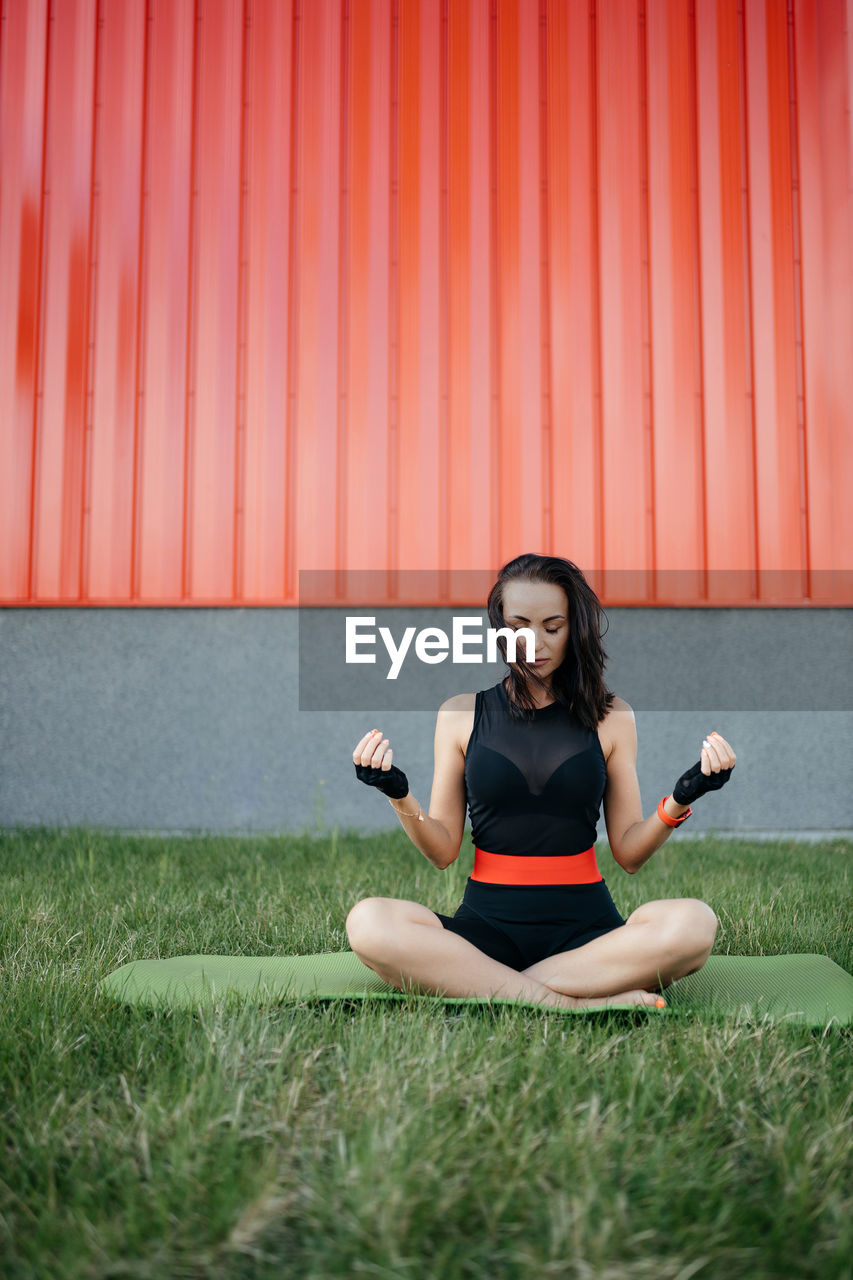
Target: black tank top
[532, 787]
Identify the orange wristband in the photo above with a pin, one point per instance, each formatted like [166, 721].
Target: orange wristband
[664, 816]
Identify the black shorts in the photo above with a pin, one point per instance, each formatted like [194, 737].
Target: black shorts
[519, 925]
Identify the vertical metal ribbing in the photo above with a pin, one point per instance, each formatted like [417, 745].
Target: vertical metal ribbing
[747, 246]
[646, 299]
[38, 319]
[394, 311]
[545, 291]
[344, 268]
[189, 402]
[699, 344]
[237, 589]
[291, 585]
[141, 319]
[598, 564]
[444, 442]
[494, 371]
[799, 353]
[91, 300]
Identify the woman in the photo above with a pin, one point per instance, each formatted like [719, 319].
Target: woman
[532, 758]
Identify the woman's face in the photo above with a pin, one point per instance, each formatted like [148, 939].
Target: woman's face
[544, 608]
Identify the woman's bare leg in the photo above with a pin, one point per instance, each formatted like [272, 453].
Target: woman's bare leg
[404, 941]
[660, 941]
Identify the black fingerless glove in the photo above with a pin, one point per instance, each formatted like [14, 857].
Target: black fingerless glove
[694, 783]
[391, 782]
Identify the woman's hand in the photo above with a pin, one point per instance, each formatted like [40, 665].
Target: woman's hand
[372, 760]
[718, 756]
[711, 771]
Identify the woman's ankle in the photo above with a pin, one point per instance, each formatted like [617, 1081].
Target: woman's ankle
[559, 1001]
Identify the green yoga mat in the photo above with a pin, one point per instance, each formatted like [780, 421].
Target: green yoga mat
[810, 989]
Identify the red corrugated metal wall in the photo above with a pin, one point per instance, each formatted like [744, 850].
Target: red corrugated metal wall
[422, 284]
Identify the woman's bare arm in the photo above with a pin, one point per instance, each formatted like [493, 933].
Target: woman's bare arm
[633, 838]
[439, 835]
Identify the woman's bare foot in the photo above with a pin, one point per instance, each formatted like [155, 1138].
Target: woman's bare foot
[624, 997]
[637, 996]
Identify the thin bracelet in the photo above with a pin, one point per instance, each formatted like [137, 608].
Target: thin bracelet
[664, 816]
[403, 814]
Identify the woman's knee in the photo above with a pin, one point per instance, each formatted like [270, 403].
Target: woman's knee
[367, 922]
[376, 923]
[692, 926]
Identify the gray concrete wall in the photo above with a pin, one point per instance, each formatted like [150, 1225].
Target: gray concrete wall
[195, 719]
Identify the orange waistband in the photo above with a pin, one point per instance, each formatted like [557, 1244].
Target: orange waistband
[505, 868]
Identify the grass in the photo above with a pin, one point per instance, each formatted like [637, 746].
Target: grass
[402, 1140]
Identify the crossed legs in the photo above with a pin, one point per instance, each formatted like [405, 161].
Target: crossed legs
[407, 945]
[661, 941]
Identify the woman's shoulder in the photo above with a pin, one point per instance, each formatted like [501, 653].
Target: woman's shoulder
[457, 714]
[618, 712]
[613, 723]
[460, 702]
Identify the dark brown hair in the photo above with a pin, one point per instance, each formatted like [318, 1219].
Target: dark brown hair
[579, 680]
